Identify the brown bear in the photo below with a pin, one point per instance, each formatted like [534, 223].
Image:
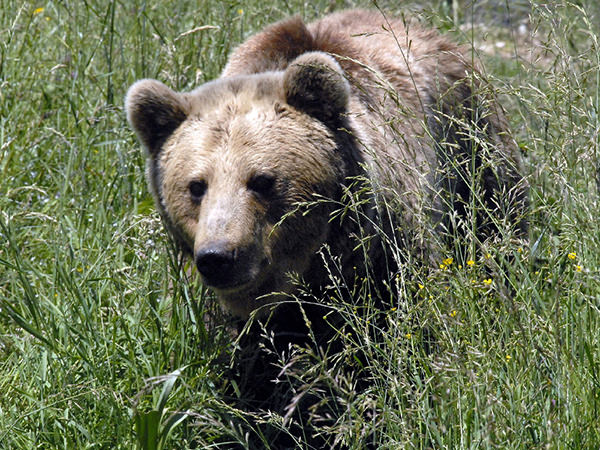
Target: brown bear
[338, 137]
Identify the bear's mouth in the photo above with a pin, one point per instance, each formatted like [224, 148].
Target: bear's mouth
[226, 286]
[240, 276]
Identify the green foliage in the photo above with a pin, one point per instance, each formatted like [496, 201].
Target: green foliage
[153, 427]
[107, 341]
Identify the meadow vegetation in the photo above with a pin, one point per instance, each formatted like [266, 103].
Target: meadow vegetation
[106, 341]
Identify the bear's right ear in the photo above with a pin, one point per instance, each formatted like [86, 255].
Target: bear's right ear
[154, 111]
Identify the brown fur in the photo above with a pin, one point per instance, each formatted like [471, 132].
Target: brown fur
[298, 111]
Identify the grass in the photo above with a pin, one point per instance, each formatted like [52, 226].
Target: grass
[103, 336]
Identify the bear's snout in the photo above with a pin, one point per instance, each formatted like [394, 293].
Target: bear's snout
[224, 266]
[215, 263]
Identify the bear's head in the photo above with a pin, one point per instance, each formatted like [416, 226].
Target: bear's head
[229, 163]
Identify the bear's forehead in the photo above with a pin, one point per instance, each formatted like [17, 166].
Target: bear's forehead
[243, 122]
[240, 113]
[236, 95]
[233, 126]
[235, 135]
[246, 140]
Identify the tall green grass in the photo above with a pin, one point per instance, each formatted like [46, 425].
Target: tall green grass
[107, 342]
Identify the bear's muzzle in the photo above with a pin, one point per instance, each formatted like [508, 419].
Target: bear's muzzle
[225, 267]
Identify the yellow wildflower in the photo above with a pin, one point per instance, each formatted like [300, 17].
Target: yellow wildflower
[453, 313]
[38, 11]
[420, 286]
[572, 255]
[470, 262]
[578, 268]
[508, 358]
[408, 335]
[448, 261]
[487, 281]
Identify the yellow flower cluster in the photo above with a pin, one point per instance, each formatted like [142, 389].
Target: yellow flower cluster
[573, 256]
[446, 263]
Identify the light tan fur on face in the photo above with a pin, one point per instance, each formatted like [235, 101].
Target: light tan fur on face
[221, 145]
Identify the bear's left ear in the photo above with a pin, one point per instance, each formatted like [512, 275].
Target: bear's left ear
[315, 83]
[154, 111]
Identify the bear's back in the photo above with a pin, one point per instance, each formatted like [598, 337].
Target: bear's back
[370, 47]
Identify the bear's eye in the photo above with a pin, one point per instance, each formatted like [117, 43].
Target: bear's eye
[197, 190]
[263, 185]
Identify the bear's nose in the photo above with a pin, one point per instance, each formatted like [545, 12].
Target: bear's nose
[215, 263]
